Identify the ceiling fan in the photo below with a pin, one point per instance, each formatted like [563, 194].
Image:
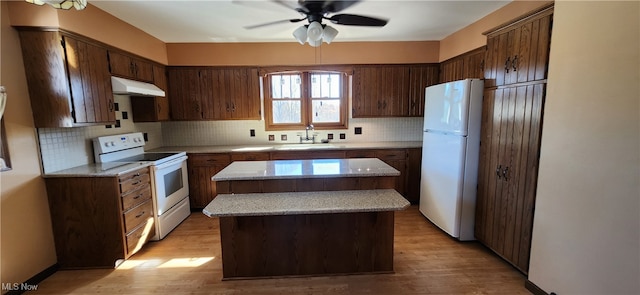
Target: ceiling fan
[314, 11]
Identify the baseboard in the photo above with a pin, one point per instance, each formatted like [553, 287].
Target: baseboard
[31, 283]
[533, 288]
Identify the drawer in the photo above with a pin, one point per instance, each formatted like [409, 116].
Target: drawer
[136, 197]
[138, 215]
[133, 174]
[307, 155]
[134, 183]
[391, 154]
[137, 238]
[361, 154]
[209, 159]
[250, 157]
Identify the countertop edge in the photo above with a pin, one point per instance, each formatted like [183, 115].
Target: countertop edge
[395, 202]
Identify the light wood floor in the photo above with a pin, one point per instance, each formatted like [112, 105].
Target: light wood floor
[188, 262]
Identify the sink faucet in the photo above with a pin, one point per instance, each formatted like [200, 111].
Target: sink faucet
[307, 138]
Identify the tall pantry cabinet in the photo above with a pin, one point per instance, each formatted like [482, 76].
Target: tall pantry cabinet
[515, 84]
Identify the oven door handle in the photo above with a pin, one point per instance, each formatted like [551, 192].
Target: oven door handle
[170, 163]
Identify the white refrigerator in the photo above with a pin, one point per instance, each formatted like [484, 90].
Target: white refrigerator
[450, 152]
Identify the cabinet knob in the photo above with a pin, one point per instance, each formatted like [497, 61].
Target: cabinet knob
[499, 171]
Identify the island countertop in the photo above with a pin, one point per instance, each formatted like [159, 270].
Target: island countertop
[292, 169]
[288, 203]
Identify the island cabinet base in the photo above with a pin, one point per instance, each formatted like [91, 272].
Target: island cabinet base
[306, 244]
[305, 184]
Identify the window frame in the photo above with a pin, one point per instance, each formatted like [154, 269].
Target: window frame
[306, 105]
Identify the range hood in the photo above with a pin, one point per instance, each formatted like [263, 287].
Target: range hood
[131, 87]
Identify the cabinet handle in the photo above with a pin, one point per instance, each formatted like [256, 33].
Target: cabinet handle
[507, 64]
[384, 104]
[379, 105]
[482, 65]
[514, 63]
[227, 106]
[137, 197]
[505, 171]
[141, 213]
[136, 182]
[111, 105]
[498, 171]
[233, 106]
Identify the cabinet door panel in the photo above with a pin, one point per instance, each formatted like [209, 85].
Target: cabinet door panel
[90, 82]
[420, 77]
[143, 70]
[121, 65]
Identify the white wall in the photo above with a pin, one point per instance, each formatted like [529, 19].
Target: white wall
[586, 233]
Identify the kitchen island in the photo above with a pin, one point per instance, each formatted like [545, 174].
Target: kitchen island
[306, 217]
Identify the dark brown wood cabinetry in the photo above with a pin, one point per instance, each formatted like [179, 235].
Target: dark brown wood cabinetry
[465, 66]
[201, 168]
[519, 53]
[510, 138]
[391, 90]
[69, 79]
[211, 93]
[127, 66]
[98, 221]
[152, 109]
[237, 91]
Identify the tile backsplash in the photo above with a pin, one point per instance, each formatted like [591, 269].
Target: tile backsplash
[64, 148]
[198, 133]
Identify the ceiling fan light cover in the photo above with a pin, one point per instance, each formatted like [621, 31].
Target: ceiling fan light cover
[315, 43]
[329, 34]
[300, 34]
[62, 4]
[314, 32]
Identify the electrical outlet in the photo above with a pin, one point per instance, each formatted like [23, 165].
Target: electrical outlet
[343, 136]
[330, 136]
[252, 132]
[145, 136]
[283, 137]
[272, 137]
[358, 130]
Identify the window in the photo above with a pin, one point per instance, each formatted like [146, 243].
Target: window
[296, 99]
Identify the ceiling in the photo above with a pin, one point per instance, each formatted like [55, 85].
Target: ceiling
[224, 20]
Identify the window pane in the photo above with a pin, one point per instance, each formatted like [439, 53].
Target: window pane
[286, 111]
[325, 85]
[286, 86]
[326, 111]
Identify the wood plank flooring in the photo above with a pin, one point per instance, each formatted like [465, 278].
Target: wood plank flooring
[188, 262]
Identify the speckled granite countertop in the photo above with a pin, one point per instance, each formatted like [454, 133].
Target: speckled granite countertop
[291, 147]
[98, 170]
[306, 203]
[321, 168]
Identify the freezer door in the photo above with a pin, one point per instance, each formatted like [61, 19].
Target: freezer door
[442, 180]
[446, 107]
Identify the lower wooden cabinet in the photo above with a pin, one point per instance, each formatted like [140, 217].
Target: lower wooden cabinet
[202, 166]
[99, 221]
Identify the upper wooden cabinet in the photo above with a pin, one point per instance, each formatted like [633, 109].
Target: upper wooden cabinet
[127, 66]
[237, 91]
[69, 80]
[519, 52]
[212, 93]
[152, 109]
[391, 90]
[190, 91]
[464, 66]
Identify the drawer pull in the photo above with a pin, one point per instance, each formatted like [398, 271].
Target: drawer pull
[141, 213]
[137, 197]
[136, 182]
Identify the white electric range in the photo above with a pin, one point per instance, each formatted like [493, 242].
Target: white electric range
[169, 180]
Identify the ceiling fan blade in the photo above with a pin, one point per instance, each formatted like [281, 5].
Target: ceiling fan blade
[336, 6]
[357, 20]
[274, 23]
